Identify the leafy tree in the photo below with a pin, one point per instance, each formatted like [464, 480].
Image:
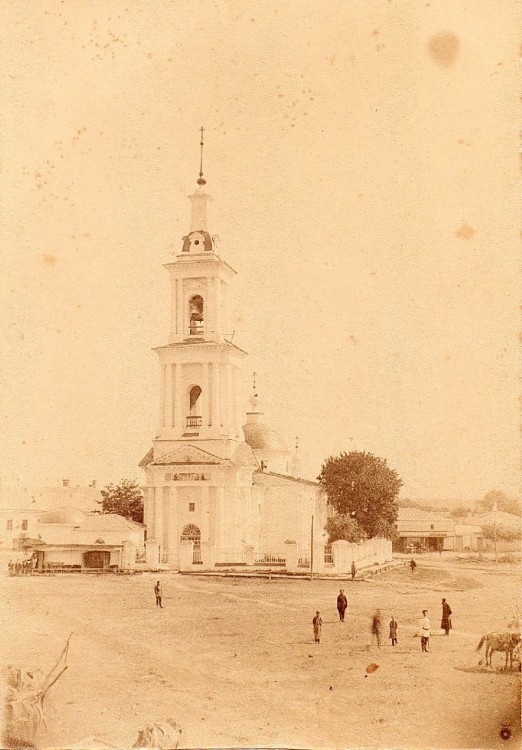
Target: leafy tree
[501, 500]
[504, 533]
[343, 527]
[125, 499]
[362, 486]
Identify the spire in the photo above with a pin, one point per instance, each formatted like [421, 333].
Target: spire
[201, 180]
[200, 198]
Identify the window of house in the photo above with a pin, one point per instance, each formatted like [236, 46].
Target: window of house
[9, 524]
[24, 524]
[192, 507]
[432, 526]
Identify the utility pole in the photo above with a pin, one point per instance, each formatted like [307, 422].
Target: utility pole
[312, 551]
[495, 529]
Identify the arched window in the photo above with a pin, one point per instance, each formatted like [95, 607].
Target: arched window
[191, 533]
[196, 315]
[194, 415]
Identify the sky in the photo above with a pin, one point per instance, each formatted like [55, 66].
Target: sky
[362, 157]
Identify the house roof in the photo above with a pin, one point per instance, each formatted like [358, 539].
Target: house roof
[416, 514]
[108, 522]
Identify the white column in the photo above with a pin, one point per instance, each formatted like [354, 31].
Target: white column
[223, 395]
[173, 307]
[205, 410]
[158, 517]
[162, 395]
[179, 306]
[173, 532]
[168, 396]
[166, 512]
[216, 411]
[149, 511]
[218, 323]
[235, 399]
[178, 398]
[205, 515]
[220, 520]
[230, 400]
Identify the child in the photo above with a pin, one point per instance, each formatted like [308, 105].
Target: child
[393, 631]
[317, 623]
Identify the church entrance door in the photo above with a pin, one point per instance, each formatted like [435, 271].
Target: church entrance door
[191, 533]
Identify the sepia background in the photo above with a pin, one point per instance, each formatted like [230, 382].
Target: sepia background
[362, 160]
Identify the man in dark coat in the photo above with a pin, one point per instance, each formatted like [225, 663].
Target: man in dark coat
[377, 626]
[159, 594]
[446, 617]
[342, 603]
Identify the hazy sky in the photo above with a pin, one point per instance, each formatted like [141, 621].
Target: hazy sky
[362, 159]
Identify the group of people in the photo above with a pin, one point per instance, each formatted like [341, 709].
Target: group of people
[376, 626]
[22, 567]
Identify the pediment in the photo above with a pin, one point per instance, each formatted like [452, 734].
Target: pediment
[188, 455]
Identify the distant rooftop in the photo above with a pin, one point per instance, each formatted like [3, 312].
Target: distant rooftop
[416, 514]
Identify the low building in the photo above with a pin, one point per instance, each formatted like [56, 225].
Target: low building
[422, 530]
[70, 539]
[467, 537]
[21, 507]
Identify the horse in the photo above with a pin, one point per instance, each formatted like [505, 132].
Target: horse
[506, 642]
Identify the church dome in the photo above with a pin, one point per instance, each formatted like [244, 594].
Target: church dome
[259, 436]
[65, 516]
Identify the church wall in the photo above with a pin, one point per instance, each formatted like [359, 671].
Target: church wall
[285, 514]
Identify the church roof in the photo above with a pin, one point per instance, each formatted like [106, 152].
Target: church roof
[259, 477]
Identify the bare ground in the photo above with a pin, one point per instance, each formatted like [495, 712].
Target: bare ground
[233, 660]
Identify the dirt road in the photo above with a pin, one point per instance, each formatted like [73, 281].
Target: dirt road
[233, 660]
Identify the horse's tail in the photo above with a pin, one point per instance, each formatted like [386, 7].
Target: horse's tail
[481, 642]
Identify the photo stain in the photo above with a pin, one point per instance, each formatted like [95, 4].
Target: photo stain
[444, 48]
[465, 232]
[49, 260]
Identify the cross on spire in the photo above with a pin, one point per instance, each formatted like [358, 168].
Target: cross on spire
[201, 180]
[254, 381]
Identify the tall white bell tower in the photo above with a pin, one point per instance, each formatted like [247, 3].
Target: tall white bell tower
[199, 469]
[201, 369]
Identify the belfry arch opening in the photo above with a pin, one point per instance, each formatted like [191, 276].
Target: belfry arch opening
[194, 410]
[196, 315]
[191, 533]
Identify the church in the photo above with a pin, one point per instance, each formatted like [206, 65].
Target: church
[221, 486]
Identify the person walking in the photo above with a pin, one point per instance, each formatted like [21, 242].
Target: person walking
[159, 594]
[413, 565]
[317, 622]
[377, 626]
[393, 631]
[342, 603]
[445, 623]
[425, 627]
[354, 569]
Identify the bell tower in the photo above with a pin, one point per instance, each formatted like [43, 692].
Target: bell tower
[199, 470]
[201, 369]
